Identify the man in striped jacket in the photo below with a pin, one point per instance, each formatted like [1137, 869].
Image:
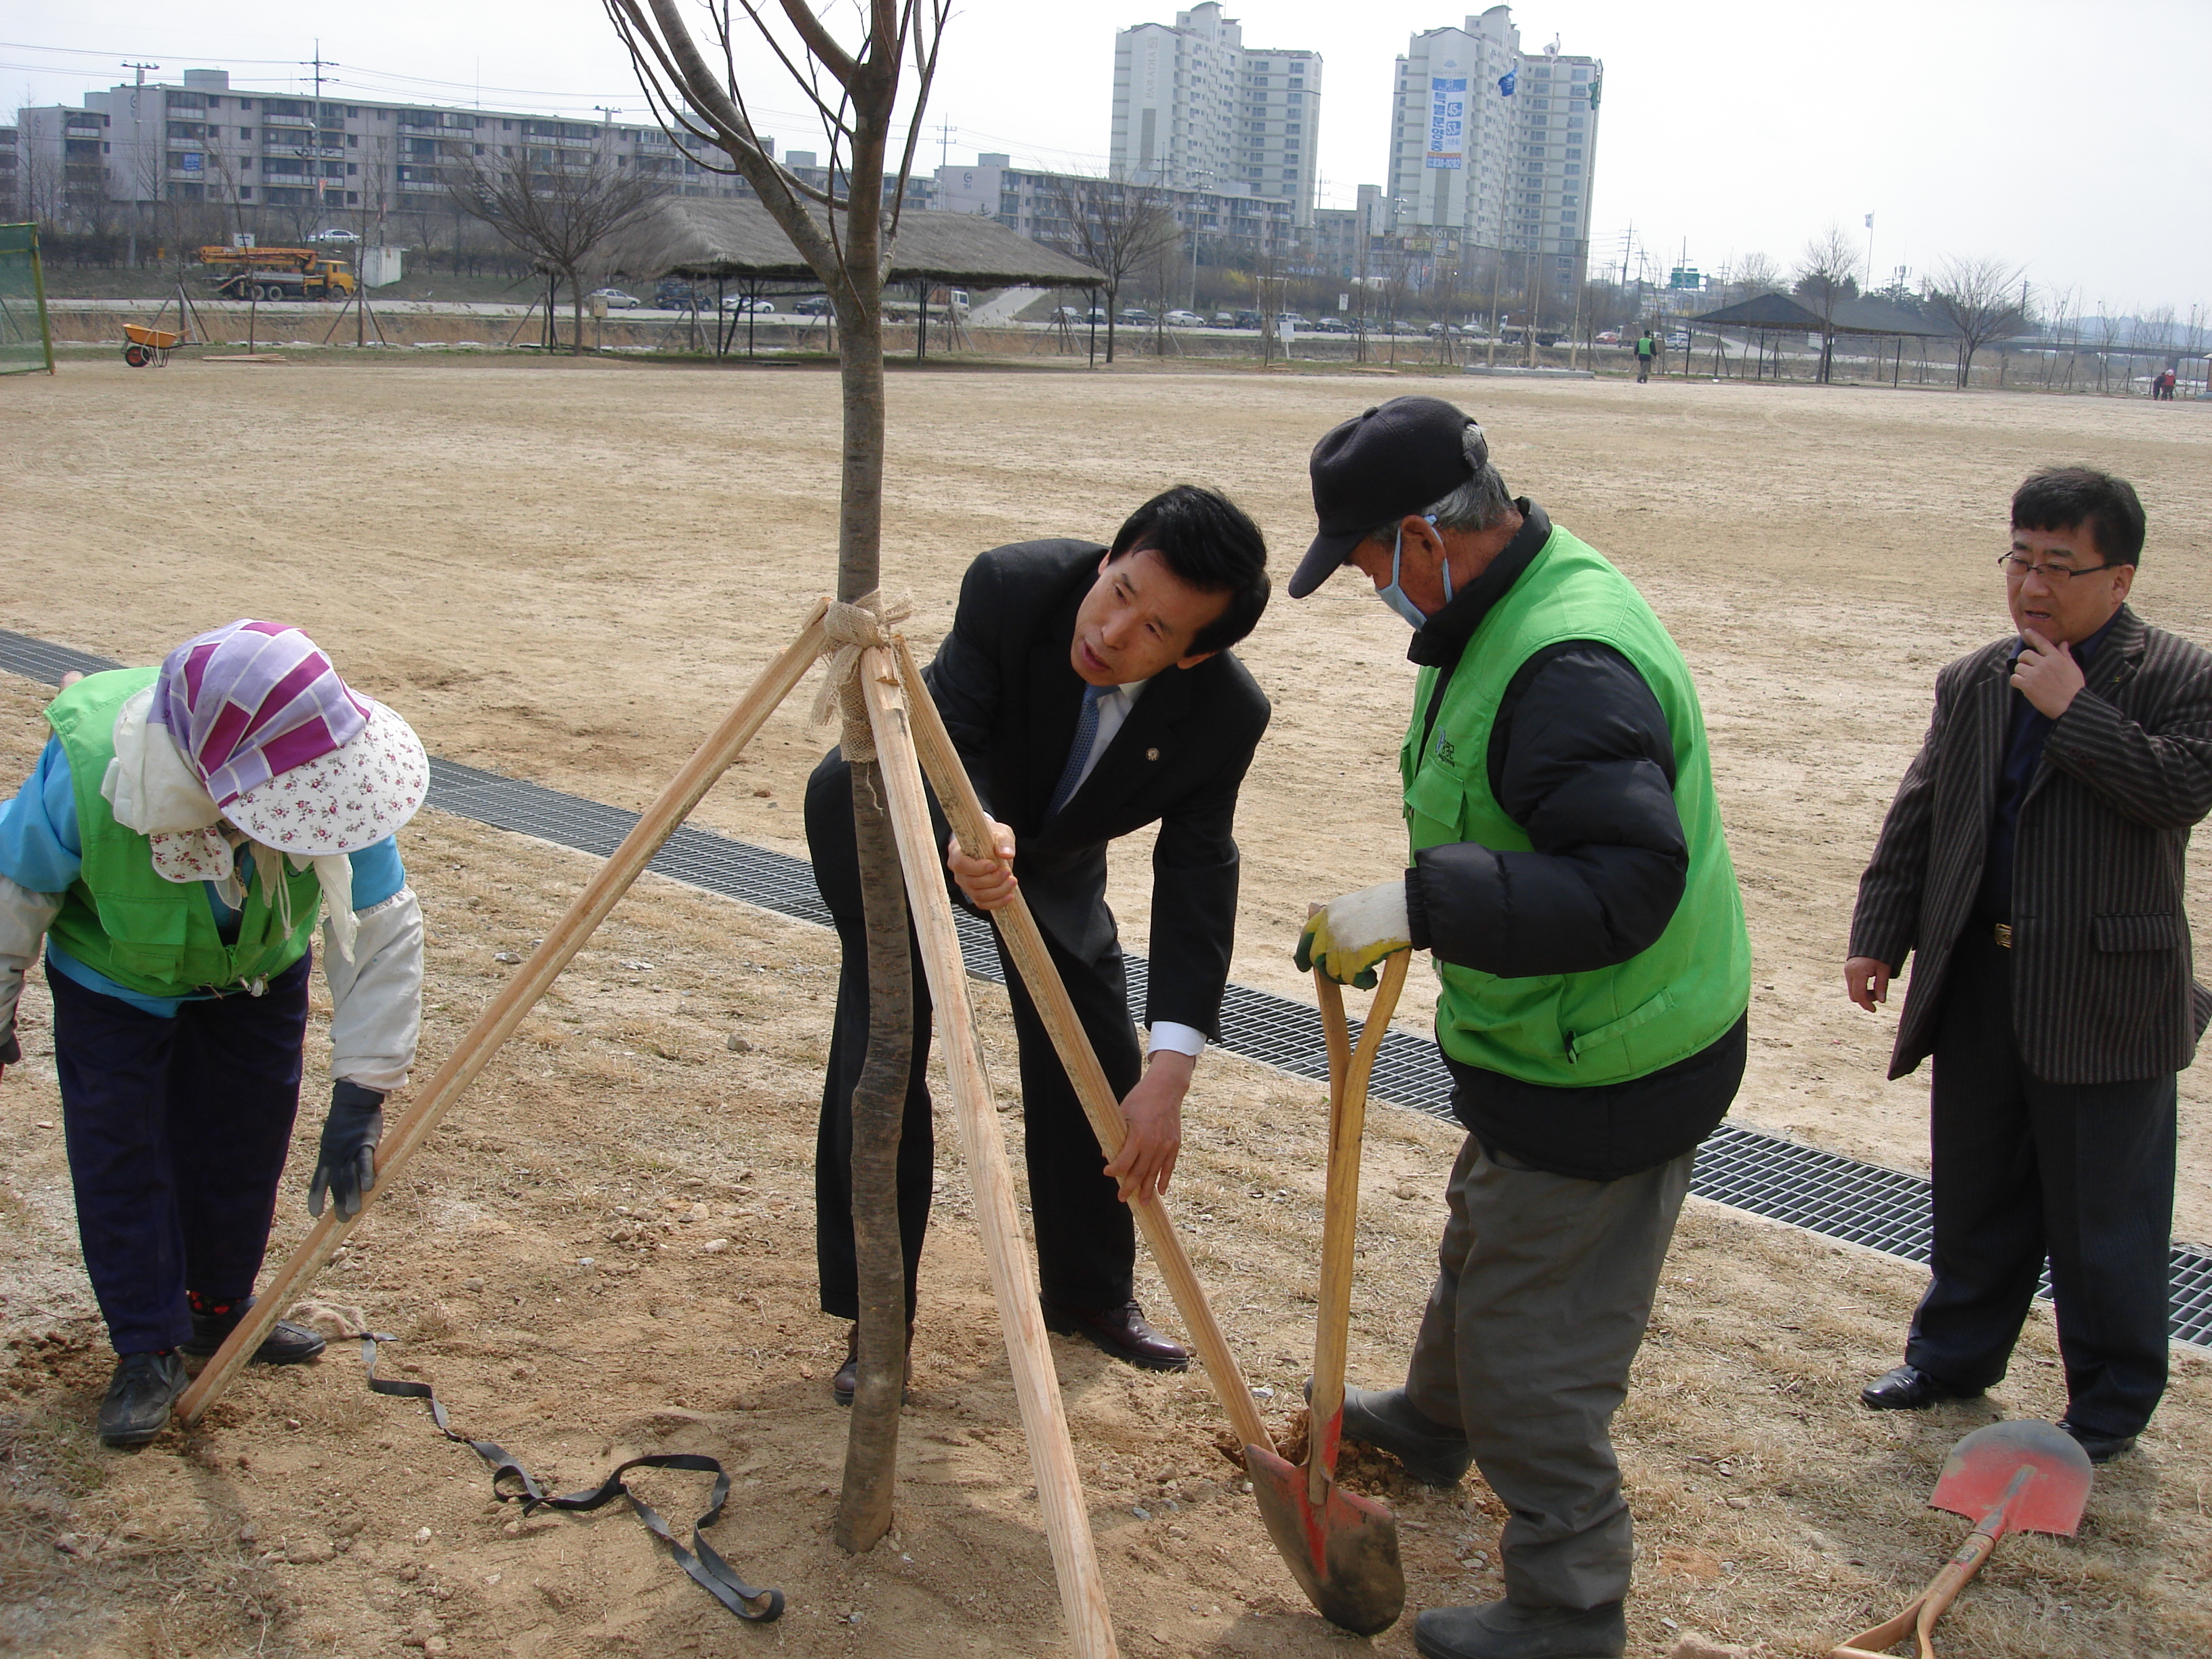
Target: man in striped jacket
[2033, 863]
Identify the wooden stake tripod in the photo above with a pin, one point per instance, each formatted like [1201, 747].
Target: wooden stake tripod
[910, 737]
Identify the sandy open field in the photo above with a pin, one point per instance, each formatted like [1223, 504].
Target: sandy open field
[566, 573]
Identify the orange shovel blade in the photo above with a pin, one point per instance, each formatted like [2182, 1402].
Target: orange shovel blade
[1978, 1475]
[1344, 1554]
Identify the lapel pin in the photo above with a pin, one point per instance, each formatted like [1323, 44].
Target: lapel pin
[1152, 754]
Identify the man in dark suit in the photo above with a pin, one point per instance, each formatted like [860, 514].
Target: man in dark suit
[1090, 693]
[2033, 860]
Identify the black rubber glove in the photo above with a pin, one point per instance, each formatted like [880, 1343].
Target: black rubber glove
[346, 1167]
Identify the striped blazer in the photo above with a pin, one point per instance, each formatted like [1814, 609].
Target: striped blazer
[2102, 990]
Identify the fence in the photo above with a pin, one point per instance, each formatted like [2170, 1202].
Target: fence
[26, 342]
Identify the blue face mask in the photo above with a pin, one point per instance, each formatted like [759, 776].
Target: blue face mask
[1394, 596]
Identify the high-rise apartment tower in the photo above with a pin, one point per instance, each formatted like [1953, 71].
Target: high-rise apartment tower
[1498, 143]
[1195, 109]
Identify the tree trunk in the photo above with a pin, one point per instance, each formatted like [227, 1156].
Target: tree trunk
[864, 1508]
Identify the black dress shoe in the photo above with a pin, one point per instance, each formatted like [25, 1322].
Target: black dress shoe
[139, 1395]
[1505, 1630]
[2101, 1448]
[1120, 1332]
[842, 1385]
[286, 1344]
[1385, 1419]
[1909, 1389]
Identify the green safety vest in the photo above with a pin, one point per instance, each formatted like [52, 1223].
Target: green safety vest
[1692, 983]
[120, 917]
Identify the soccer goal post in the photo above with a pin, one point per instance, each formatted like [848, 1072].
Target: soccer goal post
[27, 338]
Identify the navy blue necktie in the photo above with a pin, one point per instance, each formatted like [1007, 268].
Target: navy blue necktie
[1079, 753]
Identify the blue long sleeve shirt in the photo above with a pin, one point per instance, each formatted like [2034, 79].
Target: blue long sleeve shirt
[40, 850]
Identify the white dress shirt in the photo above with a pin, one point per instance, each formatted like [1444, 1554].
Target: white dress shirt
[1114, 709]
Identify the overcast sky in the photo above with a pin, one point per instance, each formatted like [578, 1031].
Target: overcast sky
[2068, 139]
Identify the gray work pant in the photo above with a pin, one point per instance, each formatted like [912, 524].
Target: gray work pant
[1544, 1286]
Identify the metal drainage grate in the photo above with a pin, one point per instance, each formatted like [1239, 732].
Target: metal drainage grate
[1782, 1180]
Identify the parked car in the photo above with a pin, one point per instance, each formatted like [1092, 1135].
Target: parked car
[1246, 319]
[334, 236]
[814, 305]
[1293, 318]
[1184, 320]
[1330, 326]
[739, 303]
[1224, 319]
[1678, 341]
[1610, 336]
[616, 299]
[1137, 315]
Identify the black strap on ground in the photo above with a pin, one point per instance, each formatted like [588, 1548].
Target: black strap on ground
[511, 1483]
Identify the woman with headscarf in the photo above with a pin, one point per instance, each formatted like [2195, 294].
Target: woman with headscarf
[184, 830]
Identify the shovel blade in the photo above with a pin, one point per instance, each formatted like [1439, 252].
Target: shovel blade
[1980, 1471]
[1344, 1553]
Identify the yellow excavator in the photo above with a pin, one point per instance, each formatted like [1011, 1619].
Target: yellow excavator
[276, 273]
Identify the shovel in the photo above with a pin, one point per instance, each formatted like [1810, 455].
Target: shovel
[1341, 1547]
[2027, 1476]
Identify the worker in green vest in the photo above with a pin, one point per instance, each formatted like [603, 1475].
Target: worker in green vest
[1569, 877]
[185, 829]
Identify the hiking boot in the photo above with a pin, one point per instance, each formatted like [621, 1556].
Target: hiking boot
[848, 1374]
[1502, 1629]
[139, 1395]
[285, 1345]
[1385, 1419]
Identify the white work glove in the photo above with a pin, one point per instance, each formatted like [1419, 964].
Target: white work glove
[1346, 938]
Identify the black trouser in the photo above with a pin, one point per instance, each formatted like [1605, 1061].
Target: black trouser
[177, 1132]
[1085, 1237]
[2022, 1169]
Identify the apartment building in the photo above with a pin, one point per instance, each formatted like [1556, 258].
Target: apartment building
[1497, 144]
[348, 163]
[1035, 203]
[1196, 110]
[10, 209]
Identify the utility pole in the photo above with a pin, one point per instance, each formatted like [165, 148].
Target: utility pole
[319, 63]
[138, 143]
[945, 143]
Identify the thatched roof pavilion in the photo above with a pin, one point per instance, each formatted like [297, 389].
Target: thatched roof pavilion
[719, 241]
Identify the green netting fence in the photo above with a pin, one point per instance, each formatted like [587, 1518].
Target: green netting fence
[26, 342]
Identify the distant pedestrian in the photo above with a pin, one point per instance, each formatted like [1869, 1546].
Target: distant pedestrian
[1646, 347]
[2163, 387]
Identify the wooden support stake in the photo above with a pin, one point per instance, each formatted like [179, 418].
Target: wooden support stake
[1036, 1387]
[964, 809]
[497, 1022]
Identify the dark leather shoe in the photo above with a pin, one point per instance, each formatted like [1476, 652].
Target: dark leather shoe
[847, 1379]
[1120, 1332]
[1502, 1629]
[1385, 1419]
[2101, 1448]
[287, 1344]
[139, 1395]
[1909, 1389]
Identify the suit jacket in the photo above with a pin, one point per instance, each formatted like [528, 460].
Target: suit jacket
[1010, 698]
[2102, 985]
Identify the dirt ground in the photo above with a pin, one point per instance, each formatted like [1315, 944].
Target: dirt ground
[566, 573]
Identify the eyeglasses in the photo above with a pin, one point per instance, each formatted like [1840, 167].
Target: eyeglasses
[2019, 569]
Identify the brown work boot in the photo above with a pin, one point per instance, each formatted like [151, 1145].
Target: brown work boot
[848, 1374]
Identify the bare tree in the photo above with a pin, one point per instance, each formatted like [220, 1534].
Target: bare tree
[1115, 227]
[1825, 278]
[555, 211]
[1756, 274]
[846, 232]
[1979, 300]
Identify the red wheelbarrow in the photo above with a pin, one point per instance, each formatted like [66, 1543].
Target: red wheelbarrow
[144, 345]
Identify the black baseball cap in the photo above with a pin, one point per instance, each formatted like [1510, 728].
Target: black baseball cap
[1396, 459]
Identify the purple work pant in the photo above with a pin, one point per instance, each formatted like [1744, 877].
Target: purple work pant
[177, 1132]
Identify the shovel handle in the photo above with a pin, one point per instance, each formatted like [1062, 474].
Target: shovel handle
[1918, 1619]
[1347, 1121]
[1024, 942]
